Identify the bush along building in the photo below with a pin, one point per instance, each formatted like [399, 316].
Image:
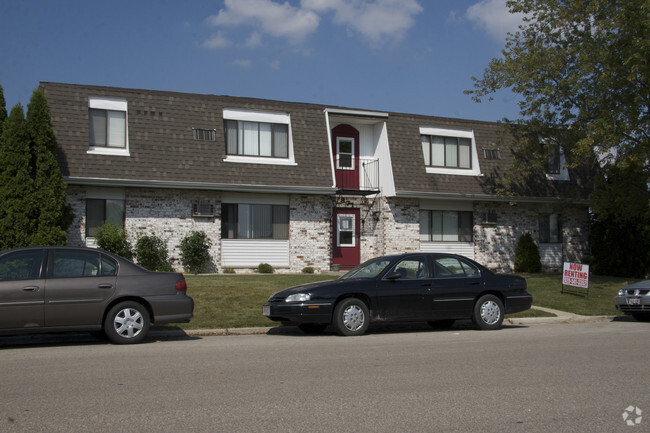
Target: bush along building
[301, 185]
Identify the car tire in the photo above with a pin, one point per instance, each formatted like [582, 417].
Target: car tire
[312, 328]
[641, 317]
[127, 323]
[488, 313]
[351, 317]
[442, 324]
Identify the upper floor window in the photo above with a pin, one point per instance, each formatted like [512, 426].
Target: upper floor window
[454, 152]
[257, 139]
[555, 161]
[448, 150]
[108, 126]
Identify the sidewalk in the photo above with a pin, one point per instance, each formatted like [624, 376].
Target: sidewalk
[561, 317]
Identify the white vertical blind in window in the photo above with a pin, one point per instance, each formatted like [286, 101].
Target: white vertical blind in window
[426, 149]
[231, 136]
[450, 226]
[464, 153]
[451, 149]
[97, 127]
[281, 140]
[249, 138]
[265, 139]
[438, 151]
[116, 128]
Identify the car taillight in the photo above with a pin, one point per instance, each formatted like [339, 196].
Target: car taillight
[181, 285]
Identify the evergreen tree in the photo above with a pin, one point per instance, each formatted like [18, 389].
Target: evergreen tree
[54, 215]
[3, 109]
[16, 184]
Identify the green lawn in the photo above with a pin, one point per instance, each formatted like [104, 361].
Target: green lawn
[235, 301]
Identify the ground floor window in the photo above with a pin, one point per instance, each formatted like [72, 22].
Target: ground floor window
[550, 229]
[446, 226]
[254, 221]
[101, 211]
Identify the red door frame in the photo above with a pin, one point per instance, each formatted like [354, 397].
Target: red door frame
[348, 254]
[346, 178]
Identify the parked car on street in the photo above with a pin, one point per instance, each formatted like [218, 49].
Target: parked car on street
[57, 289]
[434, 288]
[634, 299]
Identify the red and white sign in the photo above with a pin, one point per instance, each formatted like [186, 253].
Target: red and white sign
[575, 274]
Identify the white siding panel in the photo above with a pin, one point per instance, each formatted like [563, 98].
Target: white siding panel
[249, 253]
[550, 255]
[465, 249]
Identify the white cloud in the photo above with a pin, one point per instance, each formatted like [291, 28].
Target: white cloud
[279, 20]
[254, 40]
[216, 41]
[494, 17]
[244, 63]
[377, 21]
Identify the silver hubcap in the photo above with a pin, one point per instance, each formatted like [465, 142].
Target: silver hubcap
[128, 323]
[353, 318]
[490, 312]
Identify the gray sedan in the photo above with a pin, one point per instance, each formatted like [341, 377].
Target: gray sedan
[634, 299]
[58, 289]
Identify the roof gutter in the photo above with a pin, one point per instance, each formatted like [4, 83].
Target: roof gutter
[485, 197]
[278, 189]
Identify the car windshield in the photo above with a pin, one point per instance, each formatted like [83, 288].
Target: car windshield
[368, 270]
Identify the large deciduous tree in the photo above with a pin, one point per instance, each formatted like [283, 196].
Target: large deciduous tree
[582, 70]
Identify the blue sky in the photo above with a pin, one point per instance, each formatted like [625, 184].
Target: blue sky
[411, 56]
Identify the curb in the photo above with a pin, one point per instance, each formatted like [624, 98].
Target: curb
[562, 318]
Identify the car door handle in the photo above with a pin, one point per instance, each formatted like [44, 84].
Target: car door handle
[31, 289]
[105, 286]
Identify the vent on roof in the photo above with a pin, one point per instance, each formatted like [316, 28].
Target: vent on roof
[203, 210]
[204, 134]
[491, 153]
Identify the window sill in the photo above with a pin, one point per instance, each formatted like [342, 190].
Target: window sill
[453, 171]
[258, 160]
[107, 151]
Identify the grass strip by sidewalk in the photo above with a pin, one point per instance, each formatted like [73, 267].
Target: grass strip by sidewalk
[235, 301]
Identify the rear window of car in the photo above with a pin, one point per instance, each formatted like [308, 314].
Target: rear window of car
[75, 264]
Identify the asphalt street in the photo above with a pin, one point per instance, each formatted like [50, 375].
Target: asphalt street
[571, 377]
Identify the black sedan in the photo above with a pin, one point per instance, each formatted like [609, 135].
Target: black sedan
[55, 289]
[435, 288]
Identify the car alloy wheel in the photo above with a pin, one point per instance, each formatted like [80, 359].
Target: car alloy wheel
[488, 312]
[127, 323]
[351, 317]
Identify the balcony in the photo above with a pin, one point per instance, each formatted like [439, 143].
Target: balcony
[357, 176]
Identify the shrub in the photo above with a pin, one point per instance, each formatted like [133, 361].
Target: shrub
[229, 271]
[111, 237]
[527, 255]
[195, 252]
[308, 270]
[265, 268]
[151, 252]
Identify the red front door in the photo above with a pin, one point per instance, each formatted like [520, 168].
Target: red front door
[346, 251]
[345, 145]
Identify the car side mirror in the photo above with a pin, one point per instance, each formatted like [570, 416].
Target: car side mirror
[393, 276]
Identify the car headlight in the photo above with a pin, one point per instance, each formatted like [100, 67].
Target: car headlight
[621, 292]
[298, 297]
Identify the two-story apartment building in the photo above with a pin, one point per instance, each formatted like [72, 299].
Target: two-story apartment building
[297, 185]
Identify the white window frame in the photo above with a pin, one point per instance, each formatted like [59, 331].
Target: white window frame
[475, 169]
[261, 117]
[338, 153]
[339, 218]
[110, 104]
